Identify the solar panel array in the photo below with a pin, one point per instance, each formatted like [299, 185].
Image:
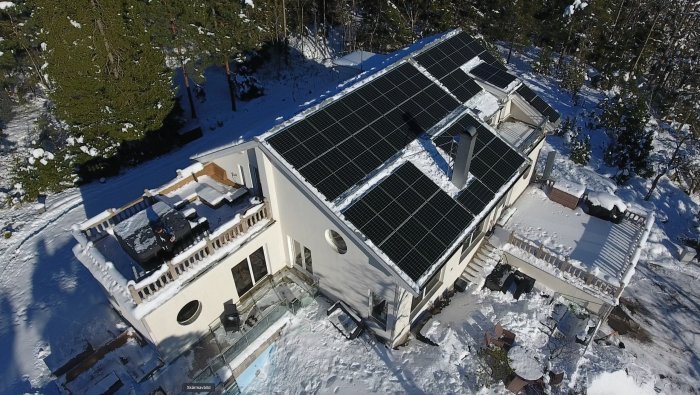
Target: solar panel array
[339, 145]
[492, 75]
[410, 219]
[443, 61]
[537, 102]
[493, 163]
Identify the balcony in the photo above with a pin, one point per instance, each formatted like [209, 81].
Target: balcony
[206, 216]
[595, 255]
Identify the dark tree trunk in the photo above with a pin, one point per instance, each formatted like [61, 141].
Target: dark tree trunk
[231, 80]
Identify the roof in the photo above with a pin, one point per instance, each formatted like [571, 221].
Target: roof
[361, 151]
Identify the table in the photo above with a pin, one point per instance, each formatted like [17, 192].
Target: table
[524, 363]
[287, 294]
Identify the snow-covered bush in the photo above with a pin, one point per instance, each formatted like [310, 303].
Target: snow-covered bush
[580, 149]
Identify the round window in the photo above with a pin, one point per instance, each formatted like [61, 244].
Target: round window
[189, 313]
[336, 241]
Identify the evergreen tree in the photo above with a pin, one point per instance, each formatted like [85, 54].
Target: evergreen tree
[230, 32]
[109, 84]
[625, 118]
[573, 76]
[543, 64]
[580, 149]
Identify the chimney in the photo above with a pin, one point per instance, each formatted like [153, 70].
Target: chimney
[465, 150]
[549, 165]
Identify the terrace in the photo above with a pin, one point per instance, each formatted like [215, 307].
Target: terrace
[162, 237]
[519, 134]
[594, 254]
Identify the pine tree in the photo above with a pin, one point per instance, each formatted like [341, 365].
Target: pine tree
[543, 64]
[625, 118]
[573, 76]
[229, 32]
[110, 84]
[581, 149]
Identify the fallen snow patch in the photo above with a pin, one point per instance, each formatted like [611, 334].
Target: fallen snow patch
[618, 383]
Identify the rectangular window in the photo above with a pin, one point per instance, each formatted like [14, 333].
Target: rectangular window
[258, 264]
[379, 309]
[296, 252]
[307, 260]
[241, 277]
[301, 256]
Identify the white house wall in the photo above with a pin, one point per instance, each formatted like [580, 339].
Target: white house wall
[556, 284]
[237, 167]
[212, 289]
[348, 277]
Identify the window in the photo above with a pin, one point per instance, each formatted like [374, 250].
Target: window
[379, 309]
[301, 256]
[336, 241]
[307, 260]
[241, 277]
[189, 312]
[258, 264]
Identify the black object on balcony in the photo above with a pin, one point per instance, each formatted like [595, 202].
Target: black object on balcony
[231, 319]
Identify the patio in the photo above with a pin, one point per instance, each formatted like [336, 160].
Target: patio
[596, 246]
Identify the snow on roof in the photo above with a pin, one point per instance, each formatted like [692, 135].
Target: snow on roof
[484, 104]
[570, 187]
[421, 152]
[606, 200]
[354, 59]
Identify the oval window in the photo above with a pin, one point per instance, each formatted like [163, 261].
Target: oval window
[336, 241]
[189, 313]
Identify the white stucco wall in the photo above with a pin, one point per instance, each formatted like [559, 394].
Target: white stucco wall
[348, 277]
[212, 289]
[568, 291]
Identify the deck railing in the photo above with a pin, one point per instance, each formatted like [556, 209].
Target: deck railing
[180, 264]
[562, 263]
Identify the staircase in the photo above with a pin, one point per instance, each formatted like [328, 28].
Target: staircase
[486, 257]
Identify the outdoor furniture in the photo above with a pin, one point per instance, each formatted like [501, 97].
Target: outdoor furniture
[231, 319]
[516, 384]
[524, 363]
[210, 196]
[287, 295]
[502, 338]
[555, 379]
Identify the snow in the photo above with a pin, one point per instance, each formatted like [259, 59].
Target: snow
[570, 187]
[354, 59]
[75, 23]
[473, 62]
[524, 362]
[6, 4]
[42, 282]
[590, 242]
[484, 104]
[606, 200]
[618, 383]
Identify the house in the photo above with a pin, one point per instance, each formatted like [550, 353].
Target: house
[379, 197]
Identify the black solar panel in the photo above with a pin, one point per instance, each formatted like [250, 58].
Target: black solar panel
[355, 134]
[493, 164]
[540, 105]
[492, 75]
[461, 85]
[410, 219]
[526, 93]
[445, 59]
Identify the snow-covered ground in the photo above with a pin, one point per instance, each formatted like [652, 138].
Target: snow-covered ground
[50, 306]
